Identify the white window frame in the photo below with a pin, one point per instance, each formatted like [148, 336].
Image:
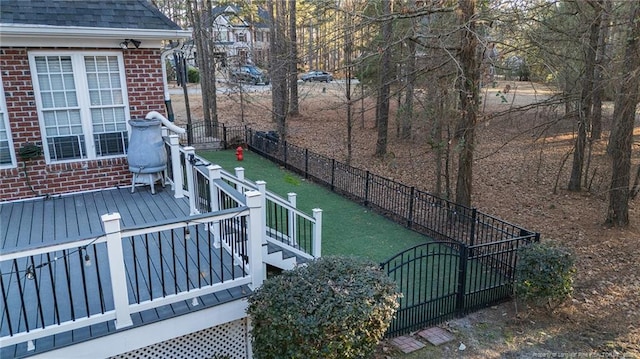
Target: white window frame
[84, 102]
[4, 117]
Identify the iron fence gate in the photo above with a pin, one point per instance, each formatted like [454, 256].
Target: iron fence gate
[431, 277]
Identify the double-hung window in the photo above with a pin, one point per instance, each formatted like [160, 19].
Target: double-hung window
[7, 154]
[82, 104]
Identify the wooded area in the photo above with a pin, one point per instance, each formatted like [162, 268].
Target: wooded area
[587, 49]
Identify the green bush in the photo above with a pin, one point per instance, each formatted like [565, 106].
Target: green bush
[193, 75]
[334, 307]
[544, 274]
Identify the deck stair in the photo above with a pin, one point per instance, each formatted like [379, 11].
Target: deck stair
[276, 255]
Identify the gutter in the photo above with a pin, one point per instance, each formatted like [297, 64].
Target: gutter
[165, 83]
[20, 30]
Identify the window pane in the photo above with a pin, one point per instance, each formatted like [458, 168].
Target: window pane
[92, 80]
[90, 64]
[117, 97]
[115, 80]
[72, 100]
[94, 97]
[68, 82]
[44, 83]
[106, 98]
[47, 99]
[59, 99]
[66, 64]
[41, 64]
[113, 64]
[56, 82]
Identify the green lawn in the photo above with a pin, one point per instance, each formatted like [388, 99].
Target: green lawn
[347, 227]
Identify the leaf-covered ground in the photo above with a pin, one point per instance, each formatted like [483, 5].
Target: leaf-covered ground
[521, 171]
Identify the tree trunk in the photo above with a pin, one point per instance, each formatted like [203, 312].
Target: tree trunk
[407, 113]
[348, 51]
[293, 61]
[201, 20]
[586, 101]
[598, 86]
[468, 89]
[382, 113]
[278, 67]
[621, 140]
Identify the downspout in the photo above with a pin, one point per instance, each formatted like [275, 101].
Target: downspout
[165, 84]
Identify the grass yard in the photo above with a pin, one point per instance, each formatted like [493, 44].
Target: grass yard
[347, 228]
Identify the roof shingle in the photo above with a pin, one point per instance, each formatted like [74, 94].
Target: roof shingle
[125, 14]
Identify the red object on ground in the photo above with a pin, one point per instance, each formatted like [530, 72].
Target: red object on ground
[240, 153]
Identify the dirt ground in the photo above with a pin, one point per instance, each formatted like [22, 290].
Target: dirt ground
[521, 171]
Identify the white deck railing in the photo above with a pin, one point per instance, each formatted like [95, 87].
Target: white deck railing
[191, 176]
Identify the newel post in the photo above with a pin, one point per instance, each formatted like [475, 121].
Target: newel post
[291, 218]
[240, 177]
[176, 168]
[262, 188]
[256, 233]
[111, 224]
[317, 233]
[190, 156]
[215, 173]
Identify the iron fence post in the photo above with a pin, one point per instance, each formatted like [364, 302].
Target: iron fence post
[472, 234]
[284, 156]
[410, 214]
[224, 136]
[306, 163]
[189, 134]
[366, 189]
[333, 173]
[462, 280]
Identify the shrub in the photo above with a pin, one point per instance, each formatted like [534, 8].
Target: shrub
[193, 75]
[544, 274]
[334, 307]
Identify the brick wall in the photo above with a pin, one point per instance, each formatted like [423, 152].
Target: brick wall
[145, 90]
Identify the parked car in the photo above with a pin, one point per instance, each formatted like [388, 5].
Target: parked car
[317, 75]
[249, 74]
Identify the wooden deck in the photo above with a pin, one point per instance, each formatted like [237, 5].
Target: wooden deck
[44, 221]
[158, 265]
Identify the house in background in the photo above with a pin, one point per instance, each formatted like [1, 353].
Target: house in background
[91, 266]
[240, 40]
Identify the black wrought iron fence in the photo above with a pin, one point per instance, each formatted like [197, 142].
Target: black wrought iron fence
[421, 211]
[217, 134]
[478, 251]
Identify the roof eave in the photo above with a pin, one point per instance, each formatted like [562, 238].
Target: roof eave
[23, 30]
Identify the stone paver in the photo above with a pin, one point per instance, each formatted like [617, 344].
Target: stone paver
[407, 344]
[436, 336]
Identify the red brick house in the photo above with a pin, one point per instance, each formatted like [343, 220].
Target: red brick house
[73, 73]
